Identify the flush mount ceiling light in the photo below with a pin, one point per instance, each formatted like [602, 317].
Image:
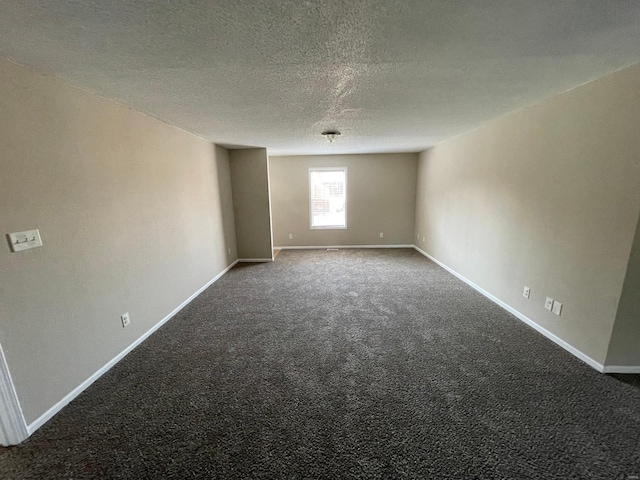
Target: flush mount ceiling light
[331, 135]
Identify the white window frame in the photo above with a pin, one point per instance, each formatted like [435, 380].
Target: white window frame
[327, 169]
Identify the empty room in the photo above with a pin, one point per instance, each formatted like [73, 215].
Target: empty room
[365, 239]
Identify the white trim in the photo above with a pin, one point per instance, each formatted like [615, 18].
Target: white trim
[254, 260]
[42, 419]
[327, 227]
[621, 369]
[13, 427]
[570, 348]
[324, 247]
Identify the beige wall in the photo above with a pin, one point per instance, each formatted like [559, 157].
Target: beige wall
[624, 349]
[380, 198]
[546, 197]
[251, 202]
[134, 215]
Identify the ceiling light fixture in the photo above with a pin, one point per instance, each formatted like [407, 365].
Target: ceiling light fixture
[331, 135]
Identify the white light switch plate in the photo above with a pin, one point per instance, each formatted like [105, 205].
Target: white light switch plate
[557, 308]
[25, 240]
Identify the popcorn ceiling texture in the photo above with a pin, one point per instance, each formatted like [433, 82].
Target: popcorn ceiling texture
[350, 364]
[391, 75]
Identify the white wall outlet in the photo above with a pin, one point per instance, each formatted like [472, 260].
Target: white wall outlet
[417, 236]
[548, 303]
[423, 239]
[125, 319]
[290, 236]
[229, 251]
[381, 234]
[557, 308]
[526, 293]
[20, 241]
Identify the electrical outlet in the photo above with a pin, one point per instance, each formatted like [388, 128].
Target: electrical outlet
[548, 303]
[526, 293]
[557, 308]
[417, 236]
[125, 319]
[290, 236]
[229, 251]
[381, 235]
[422, 239]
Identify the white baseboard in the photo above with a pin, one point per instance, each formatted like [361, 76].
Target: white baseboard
[570, 348]
[324, 247]
[621, 369]
[255, 260]
[42, 419]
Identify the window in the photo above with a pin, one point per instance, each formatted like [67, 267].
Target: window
[328, 197]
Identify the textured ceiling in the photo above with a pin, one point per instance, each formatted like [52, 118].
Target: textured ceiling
[390, 75]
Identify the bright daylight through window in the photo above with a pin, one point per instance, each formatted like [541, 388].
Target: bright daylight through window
[328, 197]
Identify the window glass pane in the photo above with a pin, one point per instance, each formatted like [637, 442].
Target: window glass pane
[328, 189]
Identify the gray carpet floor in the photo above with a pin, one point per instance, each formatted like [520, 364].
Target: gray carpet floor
[342, 364]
